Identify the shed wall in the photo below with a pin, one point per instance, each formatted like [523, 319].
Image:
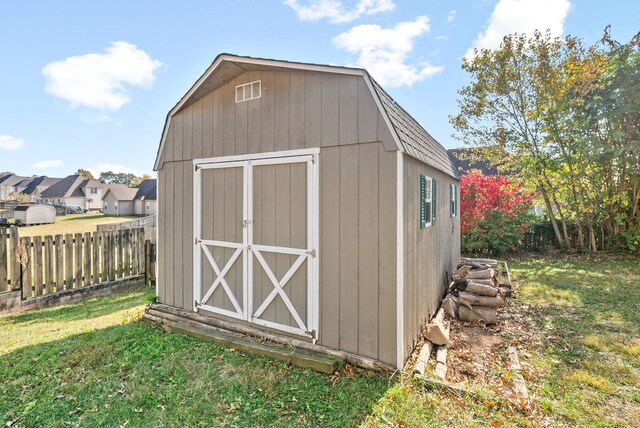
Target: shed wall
[430, 254]
[357, 246]
[297, 109]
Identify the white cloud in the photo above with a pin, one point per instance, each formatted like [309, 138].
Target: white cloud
[384, 51]
[113, 167]
[523, 17]
[335, 12]
[97, 80]
[452, 16]
[47, 164]
[7, 142]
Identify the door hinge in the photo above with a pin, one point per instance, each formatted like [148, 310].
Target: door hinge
[312, 253]
[246, 223]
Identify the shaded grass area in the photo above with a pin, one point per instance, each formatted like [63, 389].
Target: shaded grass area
[589, 311]
[73, 223]
[97, 364]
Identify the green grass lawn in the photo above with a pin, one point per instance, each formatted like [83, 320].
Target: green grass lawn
[96, 363]
[73, 223]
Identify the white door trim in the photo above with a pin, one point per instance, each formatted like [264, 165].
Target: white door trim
[309, 328]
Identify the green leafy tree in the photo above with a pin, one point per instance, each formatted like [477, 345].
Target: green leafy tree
[85, 173]
[110, 177]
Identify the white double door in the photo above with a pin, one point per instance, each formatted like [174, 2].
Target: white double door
[256, 231]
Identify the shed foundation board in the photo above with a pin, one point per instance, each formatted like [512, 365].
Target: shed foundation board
[297, 357]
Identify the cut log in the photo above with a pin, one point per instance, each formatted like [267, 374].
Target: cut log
[441, 362]
[481, 274]
[474, 265]
[519, 383]
[492, 282]
[468, 299]
[482, 289]
[505, 292]
[450, 306]
[478, 313]
[423, 358]
[483, 261]
[460, 273]
[438, 330]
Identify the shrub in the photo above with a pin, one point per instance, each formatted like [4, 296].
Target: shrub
[495, 213]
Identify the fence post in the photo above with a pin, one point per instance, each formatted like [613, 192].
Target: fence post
[4, 263]
[59, 261]
[49, 278]
[26, 270]
[14, 240]
[147, 261]
[37, 265]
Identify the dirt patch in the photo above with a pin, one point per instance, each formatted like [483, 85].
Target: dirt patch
[473, 351]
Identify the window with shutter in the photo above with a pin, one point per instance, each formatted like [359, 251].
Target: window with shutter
[426, 201]
[434, 198]
[453, 197]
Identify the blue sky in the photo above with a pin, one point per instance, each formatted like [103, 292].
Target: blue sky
[87, 84]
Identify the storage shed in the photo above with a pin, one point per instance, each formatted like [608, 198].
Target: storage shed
[301, 199]
[29, 214]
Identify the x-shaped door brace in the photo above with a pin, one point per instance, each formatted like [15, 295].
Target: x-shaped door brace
[220, 277]
[278, 287]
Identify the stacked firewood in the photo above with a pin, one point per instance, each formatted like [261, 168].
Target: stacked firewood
[477, 291]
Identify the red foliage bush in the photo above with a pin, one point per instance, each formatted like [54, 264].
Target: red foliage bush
[495, 213]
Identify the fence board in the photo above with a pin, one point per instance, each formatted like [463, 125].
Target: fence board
[120, 254]
[77, 260]
[27, 280]
[95, 252]
[13, 264]
[63, 262]
[68, 261]
[59, 261]
[4, 261]
[127, 252]
[112, 255]
[37, 266]
[49, 274]
[86, 258]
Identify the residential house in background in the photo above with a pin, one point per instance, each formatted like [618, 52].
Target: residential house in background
[36, 185]
[118, 200]
[75, 190]
[146, 200]
[8, 185]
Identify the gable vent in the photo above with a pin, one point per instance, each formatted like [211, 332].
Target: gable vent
[249, 91]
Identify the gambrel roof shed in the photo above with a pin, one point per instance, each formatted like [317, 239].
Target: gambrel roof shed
[301, 199]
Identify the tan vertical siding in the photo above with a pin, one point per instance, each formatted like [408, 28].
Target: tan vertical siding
[357, 193]
[430, 253]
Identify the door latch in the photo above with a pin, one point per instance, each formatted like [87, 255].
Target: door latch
[312, 253]
[246, 223]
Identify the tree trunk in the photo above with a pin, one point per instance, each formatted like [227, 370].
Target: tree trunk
[552, 217]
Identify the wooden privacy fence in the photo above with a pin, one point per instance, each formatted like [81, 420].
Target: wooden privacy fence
[43, 265]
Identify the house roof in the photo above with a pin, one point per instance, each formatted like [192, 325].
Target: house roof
[147, 190]
[409, 136]
[11, 180]
[70, 186]
[39, 182]
[121, 192]
[463, 165]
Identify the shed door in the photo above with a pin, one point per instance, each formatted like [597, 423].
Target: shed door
[256, 240]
